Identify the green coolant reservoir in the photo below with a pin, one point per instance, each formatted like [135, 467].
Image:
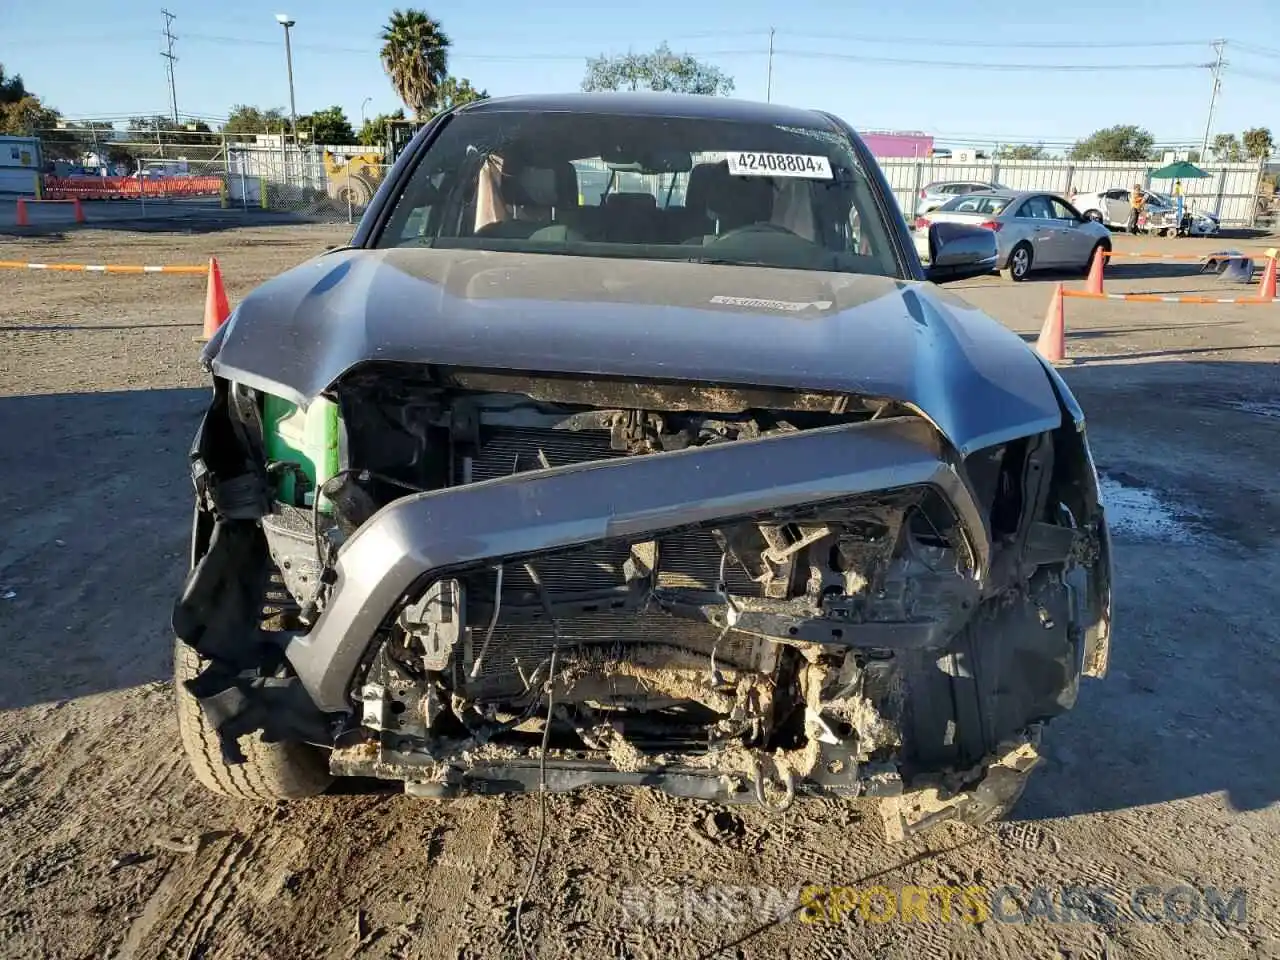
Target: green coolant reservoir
[308, 438]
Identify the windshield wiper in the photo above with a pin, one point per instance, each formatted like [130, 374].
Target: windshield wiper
[730, 261]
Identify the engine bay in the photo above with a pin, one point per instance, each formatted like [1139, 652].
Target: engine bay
[766, 642]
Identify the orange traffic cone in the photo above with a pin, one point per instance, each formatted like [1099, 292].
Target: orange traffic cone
[216, 308]
[22, 212]
[1052, 344]
[1268, 288]
[1094, 283]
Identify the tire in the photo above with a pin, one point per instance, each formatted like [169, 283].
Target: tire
[1093, 216]
[272, 771]
[1019, 266]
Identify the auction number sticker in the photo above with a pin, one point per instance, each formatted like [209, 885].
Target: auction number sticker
[779, 165]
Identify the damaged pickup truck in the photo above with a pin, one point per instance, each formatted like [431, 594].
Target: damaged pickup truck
[627, 443]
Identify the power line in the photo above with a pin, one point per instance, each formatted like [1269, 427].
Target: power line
[1255, 74]
[1256, 50]
[169, 59]
[969, 65]
[996, 44]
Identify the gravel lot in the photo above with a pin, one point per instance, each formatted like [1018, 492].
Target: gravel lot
[1167, 773]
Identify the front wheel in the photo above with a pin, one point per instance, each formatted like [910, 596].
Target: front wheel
[1019, 265]
[271, 771]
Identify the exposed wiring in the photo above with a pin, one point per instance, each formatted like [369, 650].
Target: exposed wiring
[536, 863]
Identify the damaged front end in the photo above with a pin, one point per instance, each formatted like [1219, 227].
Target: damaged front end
[735, 594]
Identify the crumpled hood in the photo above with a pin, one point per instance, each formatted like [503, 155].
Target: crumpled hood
[751, 326]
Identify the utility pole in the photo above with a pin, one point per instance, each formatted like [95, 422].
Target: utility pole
[1218, 46]
[170, 58]
[768, 90]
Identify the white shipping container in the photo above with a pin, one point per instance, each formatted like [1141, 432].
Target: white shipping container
[19, 165]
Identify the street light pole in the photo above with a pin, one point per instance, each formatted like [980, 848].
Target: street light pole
[285, 22]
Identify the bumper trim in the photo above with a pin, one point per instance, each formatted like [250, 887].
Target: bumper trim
[434, 534]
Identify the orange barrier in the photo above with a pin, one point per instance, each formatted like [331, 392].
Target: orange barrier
[1152, 255]
[130, 188]
[99, 267]
[1051, 343]
[1094, 286]
[22, 220]
[1155, 298]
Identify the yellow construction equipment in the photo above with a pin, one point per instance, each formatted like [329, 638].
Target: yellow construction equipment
[353, 180]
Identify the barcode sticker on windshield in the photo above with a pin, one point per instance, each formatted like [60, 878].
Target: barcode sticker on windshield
[779, 165]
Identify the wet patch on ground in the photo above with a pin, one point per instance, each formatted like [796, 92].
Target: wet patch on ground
[1138, 511]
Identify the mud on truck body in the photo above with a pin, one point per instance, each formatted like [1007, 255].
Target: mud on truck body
[515, 493]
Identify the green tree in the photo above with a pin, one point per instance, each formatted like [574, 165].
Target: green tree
[660, 70]
[27, 117]
[1258, 143]
[11, 88]
[1121, 142]
[164, 130]
[415, 55]
[455, 92]
[245, 121]
[1227, 149]
[1023, 151]
[328, 126]
[374, 131]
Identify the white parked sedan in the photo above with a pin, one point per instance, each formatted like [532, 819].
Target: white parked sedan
[1033, 230]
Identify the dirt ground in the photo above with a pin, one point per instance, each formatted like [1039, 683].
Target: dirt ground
[1167, 773]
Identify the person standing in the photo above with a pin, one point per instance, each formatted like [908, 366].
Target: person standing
[1137, 200]
[1178, 204]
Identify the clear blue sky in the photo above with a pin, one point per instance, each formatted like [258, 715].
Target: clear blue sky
[101, 57]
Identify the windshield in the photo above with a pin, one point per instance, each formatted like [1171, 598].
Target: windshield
[644, 187]
[976, 204]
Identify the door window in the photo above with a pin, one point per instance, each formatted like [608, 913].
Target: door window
[1036, 208]
[1061, 211]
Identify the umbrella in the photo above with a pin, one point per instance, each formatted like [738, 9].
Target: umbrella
[1182, 170]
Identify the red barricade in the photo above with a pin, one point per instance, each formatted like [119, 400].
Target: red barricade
[129, 188]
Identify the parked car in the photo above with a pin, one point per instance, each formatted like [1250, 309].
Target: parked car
[1112, 208]
[520, 493]
[1033, 231]
[939, 192]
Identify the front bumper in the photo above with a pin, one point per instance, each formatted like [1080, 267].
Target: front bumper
[433, 535]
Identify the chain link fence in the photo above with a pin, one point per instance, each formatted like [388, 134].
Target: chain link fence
[323, 184]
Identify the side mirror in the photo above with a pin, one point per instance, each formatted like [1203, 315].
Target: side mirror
[958, 251]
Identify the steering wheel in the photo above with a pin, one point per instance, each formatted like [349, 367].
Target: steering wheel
[764, 226]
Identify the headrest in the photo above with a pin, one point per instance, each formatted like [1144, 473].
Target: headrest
[530, 186]
[700, 177]
[742, 199]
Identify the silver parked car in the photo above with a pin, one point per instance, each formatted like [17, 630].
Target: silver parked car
[1033, 230]
[935, 194]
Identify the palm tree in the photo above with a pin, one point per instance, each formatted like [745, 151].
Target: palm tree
[415, 54]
